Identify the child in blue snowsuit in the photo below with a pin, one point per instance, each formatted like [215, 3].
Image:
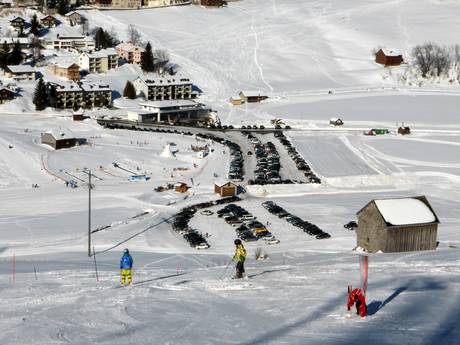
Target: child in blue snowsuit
[126, 264]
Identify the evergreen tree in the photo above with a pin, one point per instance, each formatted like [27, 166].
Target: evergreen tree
[4, 53]
[40, 98]
[34, 25]
[62, 7]
[129, 90]
[104, 39]
[15, 58]
[147, 61]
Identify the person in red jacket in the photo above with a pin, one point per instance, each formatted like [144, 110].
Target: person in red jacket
[357, 296]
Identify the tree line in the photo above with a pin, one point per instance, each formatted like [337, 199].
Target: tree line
[432, 60]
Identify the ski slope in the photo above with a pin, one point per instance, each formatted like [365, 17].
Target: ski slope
[295, 51]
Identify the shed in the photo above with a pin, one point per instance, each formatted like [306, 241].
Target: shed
[6, 95]
[397, 225]
[180, 187]
[336, 121]
[403, 130]
[252, 96]
[225, 188]
[59, 139]
[236, 100]
[388, 57]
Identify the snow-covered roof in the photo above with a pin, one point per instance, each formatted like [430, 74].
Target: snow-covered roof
[20, 68]
[252, 93]
[95, 86]
[61, 134]
[72, 13]
[66, 85]
[129, 47]
[155, 79]
[169, 104]
[97, 54]
[222, 182]
[405, 211]
[390, 52]
[64, 63]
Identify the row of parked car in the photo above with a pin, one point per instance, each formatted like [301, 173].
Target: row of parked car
[299, 161]
[268, 161]
[309, 228]
[180, 223]
[247, 227]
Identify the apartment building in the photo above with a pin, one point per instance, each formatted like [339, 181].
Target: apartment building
[162, 88]
[98, 61]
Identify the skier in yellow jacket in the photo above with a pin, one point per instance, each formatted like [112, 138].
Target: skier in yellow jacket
[239, 257]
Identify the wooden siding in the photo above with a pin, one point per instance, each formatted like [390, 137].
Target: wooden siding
[411, 238]
[371, 234]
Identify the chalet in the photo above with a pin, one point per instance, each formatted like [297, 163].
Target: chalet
[5, 94]
[397, 225]
[252, 96]
[130, 53]
[59, 139]
[181, 187]
[98, 61]
[20, 72]
[18, 23]
[118, 4]
[49, 21]
[74, 18]
[172, 112]
[163, 88]
[65, 69]
[388, 58]
[336, 121]
[225, 188]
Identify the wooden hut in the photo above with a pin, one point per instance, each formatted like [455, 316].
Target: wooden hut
[403, 130]
[59, 139]
[388, 58]
[397, 225]
[252, 96]
[336, 121]
[225, 188]
[180, 187]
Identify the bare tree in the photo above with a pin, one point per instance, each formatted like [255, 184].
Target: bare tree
[424, 57]
[161, 58]
[134, 36]
[442, 62]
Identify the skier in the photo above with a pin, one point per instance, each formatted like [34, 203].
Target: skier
[239, 257]
[126, 264]
[357, 296]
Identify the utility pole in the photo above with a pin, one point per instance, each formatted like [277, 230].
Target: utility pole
[88, 172]
[89, 213]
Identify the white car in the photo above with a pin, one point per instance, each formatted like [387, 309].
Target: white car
[247, 217]
[273, 241]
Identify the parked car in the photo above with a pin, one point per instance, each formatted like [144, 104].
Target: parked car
[352, 225]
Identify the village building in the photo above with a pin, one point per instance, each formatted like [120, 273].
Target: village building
[397, 225]
[172, 112]
[79, 43]
[225, 188]
[20, 72]
[98, 61]
[236, 100]
[162, 88]
[59, 139]
[388, 58]
[67, 70]
[24, 42]
[181, 187]
[164, 3]
[49, 21]
[18, 24]
[74, 18]
[118, 4]
[130, 53]
[72, 95]
[252, 96]
[5, 94]
[210, 3]
[96, 95]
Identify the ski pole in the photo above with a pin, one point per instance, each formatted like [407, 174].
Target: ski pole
[225, 270]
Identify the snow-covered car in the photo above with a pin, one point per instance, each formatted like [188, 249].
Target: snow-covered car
[207, 212]
[273, 241]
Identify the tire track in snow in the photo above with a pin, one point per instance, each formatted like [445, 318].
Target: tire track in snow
[256, 47]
